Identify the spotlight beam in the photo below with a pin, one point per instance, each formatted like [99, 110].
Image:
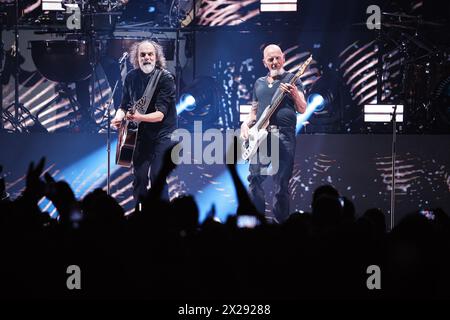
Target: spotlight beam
[187, 102]
[315, 102]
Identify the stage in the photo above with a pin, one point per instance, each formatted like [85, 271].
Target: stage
[360, 89]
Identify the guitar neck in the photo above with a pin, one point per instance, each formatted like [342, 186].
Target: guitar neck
[264, 121]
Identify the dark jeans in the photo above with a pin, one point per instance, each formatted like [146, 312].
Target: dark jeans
[280, 179]
[147, 162]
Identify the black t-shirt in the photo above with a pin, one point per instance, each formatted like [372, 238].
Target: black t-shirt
[163, 100]
[285, 115]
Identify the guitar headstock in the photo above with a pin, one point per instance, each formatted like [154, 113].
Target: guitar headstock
[303, 67]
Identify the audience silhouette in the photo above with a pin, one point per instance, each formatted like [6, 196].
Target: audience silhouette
[161, 251]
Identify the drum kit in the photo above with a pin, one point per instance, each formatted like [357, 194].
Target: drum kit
[425, 75]
[425, 64]
[75, 56]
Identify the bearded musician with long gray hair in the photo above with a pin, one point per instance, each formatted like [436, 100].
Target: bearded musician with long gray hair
[160, 119]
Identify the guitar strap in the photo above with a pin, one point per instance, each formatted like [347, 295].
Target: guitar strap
[144, 102]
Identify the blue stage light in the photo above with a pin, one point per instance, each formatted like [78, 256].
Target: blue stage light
[190, 102]
[151, 9]
[187, 102]
[315, 103]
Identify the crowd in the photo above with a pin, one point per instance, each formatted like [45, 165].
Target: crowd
[162, 251]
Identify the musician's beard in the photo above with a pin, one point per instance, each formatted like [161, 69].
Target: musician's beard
[276, 72]
[147, 67]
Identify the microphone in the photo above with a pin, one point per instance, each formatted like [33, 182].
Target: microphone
[124, 56]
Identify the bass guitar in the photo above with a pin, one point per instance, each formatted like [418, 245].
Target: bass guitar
[258, 132]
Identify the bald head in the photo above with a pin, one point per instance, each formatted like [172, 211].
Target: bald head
[272, 49]
[273, 59]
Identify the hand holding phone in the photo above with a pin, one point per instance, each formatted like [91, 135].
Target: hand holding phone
[249, 222]
[429, 214]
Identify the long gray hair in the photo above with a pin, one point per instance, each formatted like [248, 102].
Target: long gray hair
[134, 54]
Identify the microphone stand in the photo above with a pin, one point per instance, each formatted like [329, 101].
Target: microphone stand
[108, 135]
[16, 65]
[394, 140]
[379, 74]
[177, 55]
[2, 55]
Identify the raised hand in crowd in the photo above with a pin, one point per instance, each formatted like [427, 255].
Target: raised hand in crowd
[60, 193]
[245, 205]
[3, 194]
[35, 186]
[62, 196]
